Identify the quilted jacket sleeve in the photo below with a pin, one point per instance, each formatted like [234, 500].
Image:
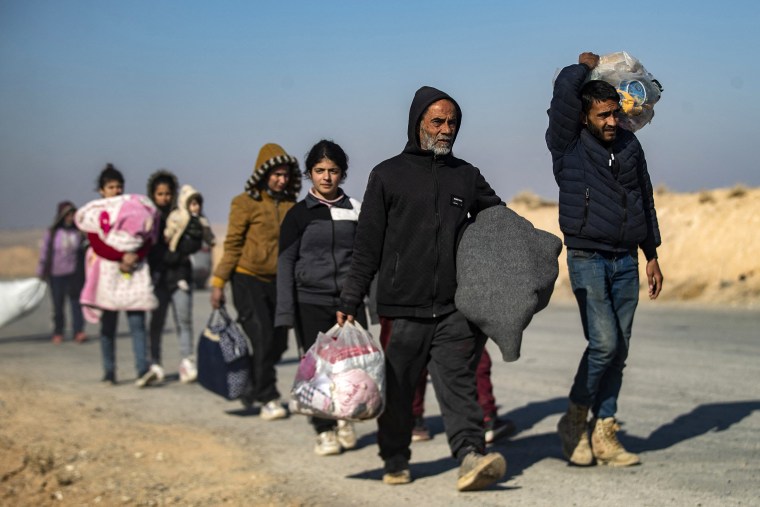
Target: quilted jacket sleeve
[565, 111]
[652, 241]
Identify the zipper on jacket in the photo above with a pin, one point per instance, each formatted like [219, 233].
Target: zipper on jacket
[585, 207]
[437, 230]
[332, 253]
[625, 217]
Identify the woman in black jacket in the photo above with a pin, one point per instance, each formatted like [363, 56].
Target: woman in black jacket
[316, 244]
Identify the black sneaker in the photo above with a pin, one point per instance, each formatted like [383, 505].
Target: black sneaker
[109, 377]
[498, 428]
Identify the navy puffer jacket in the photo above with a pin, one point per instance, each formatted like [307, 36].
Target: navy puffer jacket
[605, 194]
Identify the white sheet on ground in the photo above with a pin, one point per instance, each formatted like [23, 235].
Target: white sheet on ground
[19, 297]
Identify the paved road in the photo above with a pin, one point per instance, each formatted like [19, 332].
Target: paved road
[690, 407]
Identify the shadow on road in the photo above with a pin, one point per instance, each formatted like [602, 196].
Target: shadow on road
[701, 420]
[45, 338]
[522, 453]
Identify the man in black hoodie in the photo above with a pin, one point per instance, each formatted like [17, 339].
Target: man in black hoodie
[415, 207]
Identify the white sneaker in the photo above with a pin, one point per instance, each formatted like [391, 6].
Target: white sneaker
[273, 410]
[187, 370]
[346, 435]
[154, 374]
[327, 444]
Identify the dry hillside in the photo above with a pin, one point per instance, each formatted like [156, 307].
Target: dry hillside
[710, 252]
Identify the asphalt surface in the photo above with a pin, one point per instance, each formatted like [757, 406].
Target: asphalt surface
[690, 407]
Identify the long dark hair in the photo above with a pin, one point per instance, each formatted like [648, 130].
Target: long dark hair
[329, 150]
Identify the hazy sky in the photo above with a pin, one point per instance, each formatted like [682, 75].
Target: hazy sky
[198, 87]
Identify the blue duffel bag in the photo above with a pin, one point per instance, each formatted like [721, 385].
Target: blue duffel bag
[223, 356]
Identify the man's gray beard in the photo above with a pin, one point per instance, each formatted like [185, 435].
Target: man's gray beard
[427, 142]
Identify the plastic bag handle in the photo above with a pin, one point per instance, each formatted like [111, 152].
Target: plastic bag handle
[360, 328]
[333, 331]
[356, 324]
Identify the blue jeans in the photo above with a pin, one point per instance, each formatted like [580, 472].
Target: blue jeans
[606, 286]
[182, 309]
[108, 325]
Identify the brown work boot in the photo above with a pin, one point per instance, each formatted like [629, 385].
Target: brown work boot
[607, 449]
[396, 471]
[573, 431]
[478, 471]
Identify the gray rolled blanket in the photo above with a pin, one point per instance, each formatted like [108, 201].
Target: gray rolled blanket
[506, 270]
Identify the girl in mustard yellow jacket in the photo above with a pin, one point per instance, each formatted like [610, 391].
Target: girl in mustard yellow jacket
[249, 262]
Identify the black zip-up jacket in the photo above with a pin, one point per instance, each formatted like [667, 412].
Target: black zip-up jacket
[605, 195]
[316, 244]
[413, 212]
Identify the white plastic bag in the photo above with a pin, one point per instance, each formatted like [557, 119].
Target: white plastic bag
[342, 376]
[638, 89]
[19, 297]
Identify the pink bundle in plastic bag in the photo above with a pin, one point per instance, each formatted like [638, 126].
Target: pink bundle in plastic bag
[342, 376]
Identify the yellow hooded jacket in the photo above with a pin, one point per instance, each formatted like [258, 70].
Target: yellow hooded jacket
[253, 230]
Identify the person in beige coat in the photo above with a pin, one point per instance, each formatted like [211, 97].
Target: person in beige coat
[249, 262]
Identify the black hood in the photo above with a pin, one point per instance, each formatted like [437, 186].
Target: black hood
[422, 99]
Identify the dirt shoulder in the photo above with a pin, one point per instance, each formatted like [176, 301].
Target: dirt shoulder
[60, 448]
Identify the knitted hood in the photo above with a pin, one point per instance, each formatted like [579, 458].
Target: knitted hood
[186, 193]
[270, 156]
[422, 100]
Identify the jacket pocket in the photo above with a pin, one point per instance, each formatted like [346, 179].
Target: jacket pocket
[394, 274]
[577, 253]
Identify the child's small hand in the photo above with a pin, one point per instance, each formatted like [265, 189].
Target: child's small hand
[128, 262]
[130, 258]
[126, 268]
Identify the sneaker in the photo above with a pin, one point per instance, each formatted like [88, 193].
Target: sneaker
[479, 471]
[187, 370]
[273, 410]
[154, 374]
[327, 444]
[397, 471]
[607, 448]
[496, 428]
[80, 337]
[346, 434]
[420, 432]
[109, 377]
[57, 339]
